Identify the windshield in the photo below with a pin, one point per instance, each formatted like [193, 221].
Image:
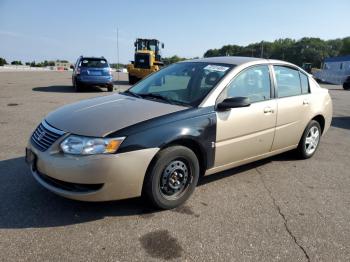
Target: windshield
[183, 83]
[147, 45]
[94, 62]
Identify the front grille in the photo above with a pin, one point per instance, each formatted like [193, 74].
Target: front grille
[44, 136]
[142, 61]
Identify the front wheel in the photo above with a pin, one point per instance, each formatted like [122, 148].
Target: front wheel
[310, 140]
[172, 177]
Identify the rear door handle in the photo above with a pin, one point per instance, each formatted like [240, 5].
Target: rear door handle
[268, 110]
[305, 102]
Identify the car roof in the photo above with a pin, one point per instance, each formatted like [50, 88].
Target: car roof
[92, 57]
[233, 60]
[240, 60]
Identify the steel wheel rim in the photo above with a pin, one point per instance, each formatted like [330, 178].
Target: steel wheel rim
[312, 139]
[175, 179]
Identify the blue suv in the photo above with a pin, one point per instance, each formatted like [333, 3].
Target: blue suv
[92, 71]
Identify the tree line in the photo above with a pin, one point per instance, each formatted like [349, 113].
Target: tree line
[172, 59]
[32, 64]
[306, 50]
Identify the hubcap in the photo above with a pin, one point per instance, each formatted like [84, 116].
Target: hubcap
[175, 179]
[312, 139]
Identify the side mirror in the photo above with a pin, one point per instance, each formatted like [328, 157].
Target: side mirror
[163, 45]
[233, 102]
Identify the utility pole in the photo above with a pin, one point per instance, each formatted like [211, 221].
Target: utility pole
[118, 53]
[262, 49]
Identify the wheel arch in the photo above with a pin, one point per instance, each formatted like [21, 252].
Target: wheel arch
[321, 120]
[196, 147]
[190, 143]
[186, 142]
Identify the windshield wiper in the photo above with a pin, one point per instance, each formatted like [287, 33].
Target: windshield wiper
[164, 98]
[157, 96]
[132, 93]
[160, 97]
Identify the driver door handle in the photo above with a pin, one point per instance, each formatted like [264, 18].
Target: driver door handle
[268, 110]
[305, 102]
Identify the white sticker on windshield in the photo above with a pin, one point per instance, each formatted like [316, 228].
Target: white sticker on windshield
[216, 68]
[85, 61]
[103, 61]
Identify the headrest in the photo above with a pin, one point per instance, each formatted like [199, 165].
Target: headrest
[212, 78]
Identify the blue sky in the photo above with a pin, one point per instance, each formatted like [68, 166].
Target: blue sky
[47, 29]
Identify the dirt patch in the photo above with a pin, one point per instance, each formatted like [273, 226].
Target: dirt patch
[160, 244]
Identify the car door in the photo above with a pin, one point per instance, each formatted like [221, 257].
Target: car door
[293, 105]
[246, 132]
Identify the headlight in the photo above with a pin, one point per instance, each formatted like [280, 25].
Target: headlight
[79, 145]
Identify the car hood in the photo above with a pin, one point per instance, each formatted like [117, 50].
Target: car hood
[97, 117]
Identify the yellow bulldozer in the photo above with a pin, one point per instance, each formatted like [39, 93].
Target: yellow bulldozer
[147, 59]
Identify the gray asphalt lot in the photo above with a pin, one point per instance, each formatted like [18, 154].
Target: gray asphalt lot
[278, 209]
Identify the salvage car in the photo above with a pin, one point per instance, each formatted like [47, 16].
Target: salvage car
[190, 119]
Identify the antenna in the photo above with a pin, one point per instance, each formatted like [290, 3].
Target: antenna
[118, 53]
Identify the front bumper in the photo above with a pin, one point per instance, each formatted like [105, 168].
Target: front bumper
[106, 177]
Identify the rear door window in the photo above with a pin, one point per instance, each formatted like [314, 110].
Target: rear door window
[288, 81]
[304, 80]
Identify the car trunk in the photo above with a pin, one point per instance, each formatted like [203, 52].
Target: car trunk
[89, 71]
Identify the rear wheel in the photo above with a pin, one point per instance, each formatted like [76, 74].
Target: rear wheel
[110, 88]
[310, 140]
[346, 86]
[132, 80]
[172, 178]
[77, 86]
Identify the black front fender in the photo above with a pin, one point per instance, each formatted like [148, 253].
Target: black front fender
[198, 128]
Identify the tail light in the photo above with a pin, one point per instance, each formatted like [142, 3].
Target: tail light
[110, 71]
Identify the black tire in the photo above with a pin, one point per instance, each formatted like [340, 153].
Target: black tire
[169, 163]
[110, 88]
[304, 150]
[132, 80]
[77, 86]
[346, 86]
